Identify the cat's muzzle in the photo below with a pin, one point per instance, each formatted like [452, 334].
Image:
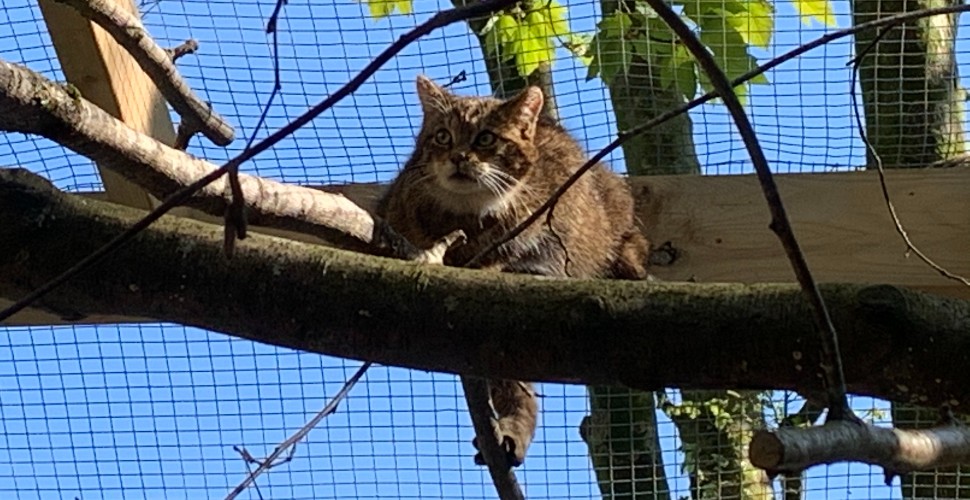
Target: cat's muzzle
[467, 171]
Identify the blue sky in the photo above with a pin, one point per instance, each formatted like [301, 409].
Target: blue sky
[153, 411]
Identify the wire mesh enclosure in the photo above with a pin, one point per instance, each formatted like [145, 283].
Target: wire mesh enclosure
[145, 410]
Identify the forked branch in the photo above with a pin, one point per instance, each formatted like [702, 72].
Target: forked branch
[159, 65]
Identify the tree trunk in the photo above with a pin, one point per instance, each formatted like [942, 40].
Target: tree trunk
[621, 431]
[624, 446]
[715, 430]
[637, 96]
[718, 450]
[914, 105]
[914, 114]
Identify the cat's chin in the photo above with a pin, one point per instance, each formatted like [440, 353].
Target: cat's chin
[468, 197]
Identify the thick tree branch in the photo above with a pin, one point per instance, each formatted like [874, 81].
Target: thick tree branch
[897, 451]
[900, 345]
[159, 65]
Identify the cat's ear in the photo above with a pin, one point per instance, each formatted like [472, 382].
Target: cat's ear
[525, 107]
[432, 95]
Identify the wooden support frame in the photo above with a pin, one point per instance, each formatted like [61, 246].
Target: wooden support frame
[719, 227]
[109, 77]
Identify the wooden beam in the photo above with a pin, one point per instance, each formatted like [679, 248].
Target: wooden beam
[719, 226]
[106, 75]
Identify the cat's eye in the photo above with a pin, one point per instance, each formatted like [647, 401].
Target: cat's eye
[485, 139]
[442, 137]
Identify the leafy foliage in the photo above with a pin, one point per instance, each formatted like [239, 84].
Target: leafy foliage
[383, 8]
[529, 34]
[816, 9]
[728, 28]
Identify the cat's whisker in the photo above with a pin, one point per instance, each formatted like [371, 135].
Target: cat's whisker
[506, 181]
[492, 185]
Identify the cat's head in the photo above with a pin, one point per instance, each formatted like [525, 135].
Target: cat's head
[477, 151]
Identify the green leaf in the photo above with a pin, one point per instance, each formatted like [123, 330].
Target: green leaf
[616, 25]
[532, 44]
[679, 71]
[555, 15]
[655, 43]
[530, 39]
[730, 51]
[493, 44]
[752, 19]
[815, 9]
[384, 8]
[500, 33]
[530, 50]
[612, 53]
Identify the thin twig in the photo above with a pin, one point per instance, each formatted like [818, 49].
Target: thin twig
[626, 135]
[235, 216]
[290, 442]
[856, 63]
[274, 18]
[441, 19]
[185, 48]
[831, 364]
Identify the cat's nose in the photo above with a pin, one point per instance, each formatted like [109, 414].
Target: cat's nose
[459, 158]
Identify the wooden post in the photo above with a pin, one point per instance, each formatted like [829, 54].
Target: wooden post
[107, 76]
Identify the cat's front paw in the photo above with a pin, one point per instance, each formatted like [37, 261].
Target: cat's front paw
[514, 451]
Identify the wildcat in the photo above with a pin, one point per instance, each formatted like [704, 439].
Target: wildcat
[483, 165]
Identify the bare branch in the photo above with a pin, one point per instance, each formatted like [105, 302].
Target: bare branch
[897, 451]
[32, 104]
[185, 48]
[158, 64]
[15, 85]
[290, 443]
[910, 246]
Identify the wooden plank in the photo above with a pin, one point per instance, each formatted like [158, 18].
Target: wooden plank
[719, 225]
[108, 77]
[840, 219]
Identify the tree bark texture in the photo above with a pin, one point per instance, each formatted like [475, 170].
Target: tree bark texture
[914, 105]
